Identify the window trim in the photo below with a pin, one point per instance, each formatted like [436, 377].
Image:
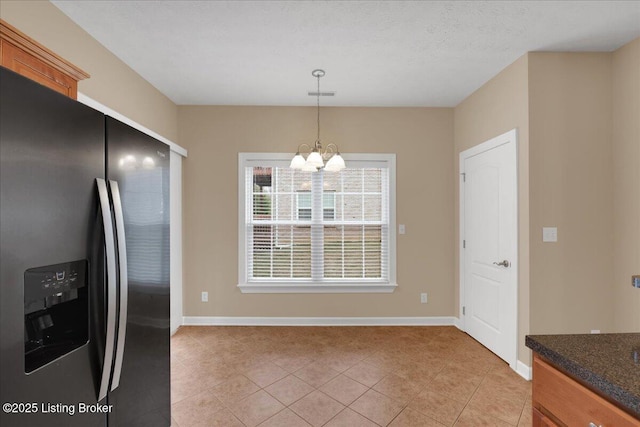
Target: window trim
[338, 286]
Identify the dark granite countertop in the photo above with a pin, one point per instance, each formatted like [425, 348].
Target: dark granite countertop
[607, 363]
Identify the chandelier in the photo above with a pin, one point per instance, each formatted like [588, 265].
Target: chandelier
[317, 155]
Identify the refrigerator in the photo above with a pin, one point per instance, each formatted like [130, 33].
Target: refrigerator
[84, 265]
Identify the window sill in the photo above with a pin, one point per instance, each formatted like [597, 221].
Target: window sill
[327, 288]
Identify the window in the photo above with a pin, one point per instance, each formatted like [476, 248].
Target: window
[303, 203]
[316, 232]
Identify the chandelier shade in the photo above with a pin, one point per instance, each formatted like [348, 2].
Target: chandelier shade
[297, 162]
[335, 163]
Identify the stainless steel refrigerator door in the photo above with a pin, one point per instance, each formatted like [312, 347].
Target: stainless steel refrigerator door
[140, 166]
[51, 151]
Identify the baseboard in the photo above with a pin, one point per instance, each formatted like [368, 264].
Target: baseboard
[523, 370]
[317, 321]
[457, 322]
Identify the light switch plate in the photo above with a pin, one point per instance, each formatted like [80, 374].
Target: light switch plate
[549, 234]
[401, 229]
[635, 281]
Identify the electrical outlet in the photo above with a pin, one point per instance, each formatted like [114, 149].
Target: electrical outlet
[595, 331]
[205, 297]
[635, 281]
[423, 298]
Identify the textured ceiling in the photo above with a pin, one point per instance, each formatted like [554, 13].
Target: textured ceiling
[375, 53]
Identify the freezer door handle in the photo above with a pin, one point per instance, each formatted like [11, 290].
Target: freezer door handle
[124, 282]
[109, 242]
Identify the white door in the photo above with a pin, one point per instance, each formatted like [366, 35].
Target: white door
[489, 246]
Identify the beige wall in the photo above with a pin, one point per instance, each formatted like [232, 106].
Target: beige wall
[422, 141]
[497, 107]
[626, 185]
[112, 83]
[571, 183]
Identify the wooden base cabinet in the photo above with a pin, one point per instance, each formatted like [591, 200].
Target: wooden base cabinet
[539, 420]
[560, 401]
[27, 57]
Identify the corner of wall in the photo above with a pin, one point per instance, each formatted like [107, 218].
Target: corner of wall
[570, 188]
[626, 184]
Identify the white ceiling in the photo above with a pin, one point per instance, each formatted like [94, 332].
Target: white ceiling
[375, 53]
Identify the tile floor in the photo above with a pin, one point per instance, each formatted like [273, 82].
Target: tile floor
[341, 376]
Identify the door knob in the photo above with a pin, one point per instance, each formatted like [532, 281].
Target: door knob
[504, 263]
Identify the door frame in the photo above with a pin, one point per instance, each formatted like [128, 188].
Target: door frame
[505, 138]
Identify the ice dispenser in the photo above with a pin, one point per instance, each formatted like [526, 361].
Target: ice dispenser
[56, 318]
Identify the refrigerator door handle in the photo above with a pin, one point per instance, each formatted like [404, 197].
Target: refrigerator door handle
[109, 241]
[124, 282]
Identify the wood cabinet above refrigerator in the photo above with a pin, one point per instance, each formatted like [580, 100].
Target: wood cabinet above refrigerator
[25, 56]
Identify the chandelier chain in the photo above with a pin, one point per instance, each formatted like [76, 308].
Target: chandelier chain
[318, 107]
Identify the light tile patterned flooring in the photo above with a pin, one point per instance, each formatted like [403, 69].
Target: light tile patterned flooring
[341, 376]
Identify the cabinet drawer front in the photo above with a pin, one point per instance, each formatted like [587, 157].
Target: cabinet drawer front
[572, 403]
[539, 420]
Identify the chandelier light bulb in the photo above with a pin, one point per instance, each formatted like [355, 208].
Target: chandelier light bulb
[309, 168]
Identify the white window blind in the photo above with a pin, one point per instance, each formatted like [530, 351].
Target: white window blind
[316, 228]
